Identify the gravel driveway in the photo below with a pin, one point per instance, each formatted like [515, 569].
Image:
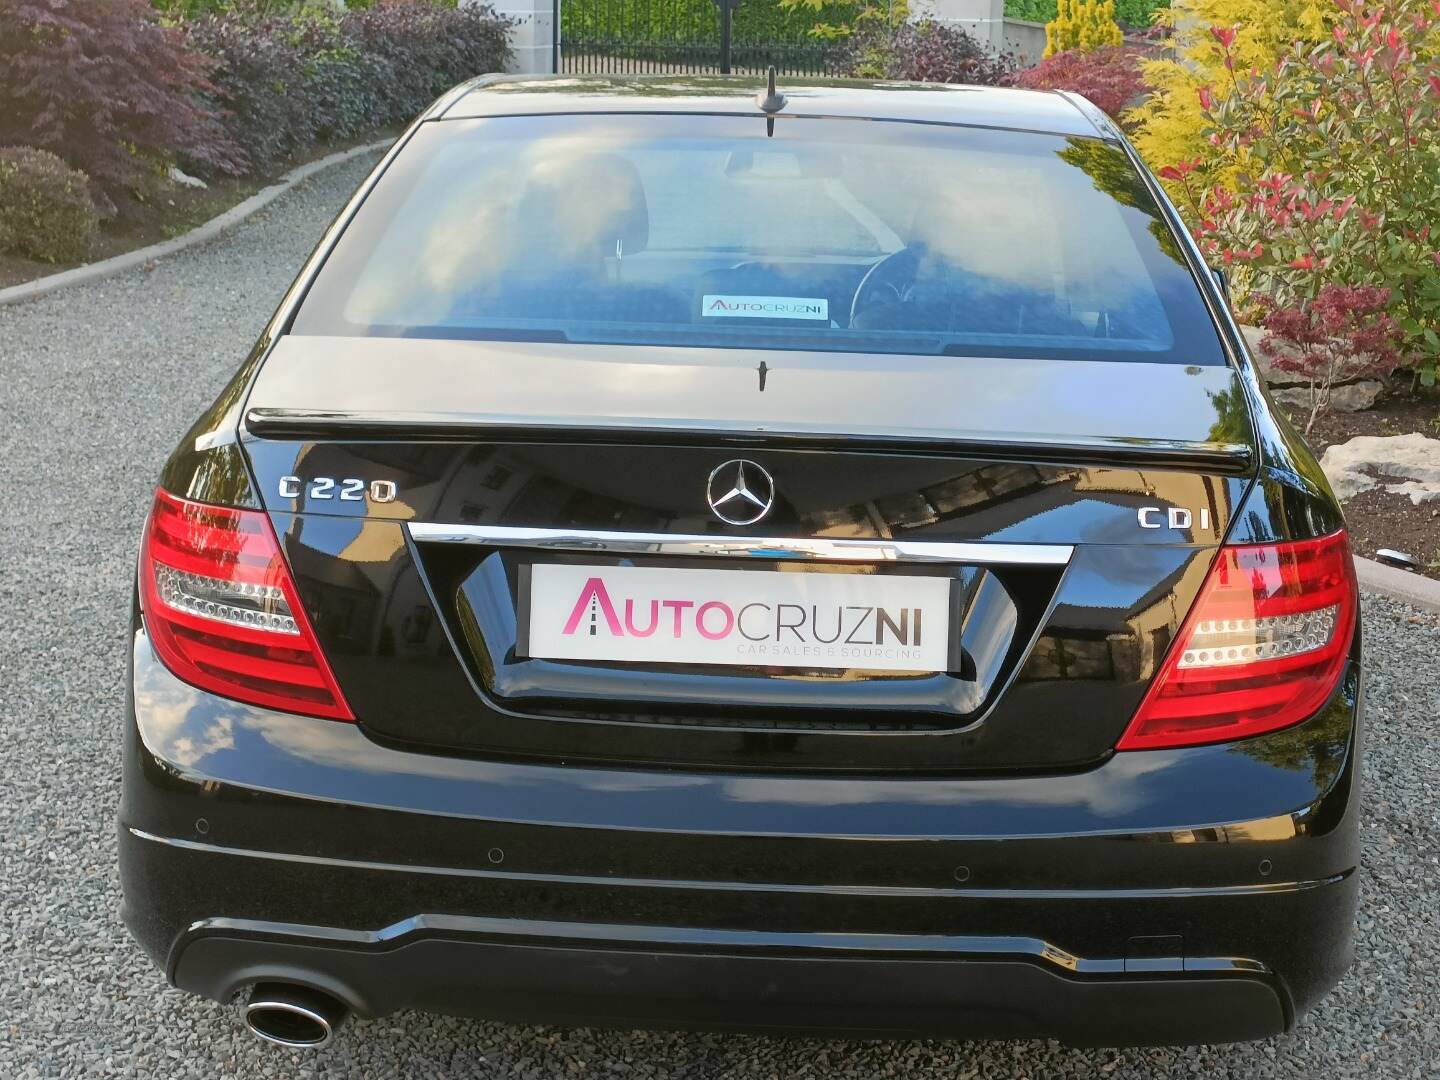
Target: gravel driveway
[96, 385]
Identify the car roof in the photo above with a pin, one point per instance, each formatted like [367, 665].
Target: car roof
[979, 106]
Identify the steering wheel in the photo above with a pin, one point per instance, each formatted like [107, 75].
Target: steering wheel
[888, 281]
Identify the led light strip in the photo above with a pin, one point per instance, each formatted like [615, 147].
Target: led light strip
[206, 597]
[1223, 642]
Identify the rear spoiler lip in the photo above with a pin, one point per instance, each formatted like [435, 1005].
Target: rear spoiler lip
[271, 423]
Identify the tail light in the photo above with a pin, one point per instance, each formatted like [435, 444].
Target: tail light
[1263, 647]
[223, 613]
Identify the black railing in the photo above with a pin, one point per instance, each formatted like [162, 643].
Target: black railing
[691, 36]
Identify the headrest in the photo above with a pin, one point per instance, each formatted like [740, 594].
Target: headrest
[590, 204]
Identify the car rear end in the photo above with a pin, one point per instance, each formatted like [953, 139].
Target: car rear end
[550, 649]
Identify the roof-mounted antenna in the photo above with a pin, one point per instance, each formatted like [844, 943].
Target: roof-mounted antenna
[772, 101]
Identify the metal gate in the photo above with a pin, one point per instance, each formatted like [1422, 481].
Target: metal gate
[692, 36]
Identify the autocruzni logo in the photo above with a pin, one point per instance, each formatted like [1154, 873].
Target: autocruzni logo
[715, 620]
[765, 307]
[791, 618]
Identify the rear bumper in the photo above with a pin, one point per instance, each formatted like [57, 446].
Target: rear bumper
[632, 976]
[859, 985]
[1163, 897]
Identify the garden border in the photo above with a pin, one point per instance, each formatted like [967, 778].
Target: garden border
[241, 211]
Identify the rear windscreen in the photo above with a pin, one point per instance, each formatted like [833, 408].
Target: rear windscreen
[709, 231]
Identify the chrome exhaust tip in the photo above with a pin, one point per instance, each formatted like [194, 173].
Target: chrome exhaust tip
[293, 1016]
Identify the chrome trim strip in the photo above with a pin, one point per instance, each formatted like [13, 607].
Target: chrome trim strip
[753, 547]
[542, 933]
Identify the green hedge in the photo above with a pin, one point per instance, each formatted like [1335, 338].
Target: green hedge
[662, 22]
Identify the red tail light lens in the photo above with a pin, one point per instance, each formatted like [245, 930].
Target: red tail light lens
[1262, 648]
[223, 613]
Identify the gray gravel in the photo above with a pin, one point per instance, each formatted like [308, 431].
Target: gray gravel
[96, 385]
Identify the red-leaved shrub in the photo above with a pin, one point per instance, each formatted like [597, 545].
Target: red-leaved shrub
[1343, 334]
[103, 84]
[924, 51]
[1109, 77]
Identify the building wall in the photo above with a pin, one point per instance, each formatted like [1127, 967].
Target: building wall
[984, 19]
[532, 37]
[1026, 40]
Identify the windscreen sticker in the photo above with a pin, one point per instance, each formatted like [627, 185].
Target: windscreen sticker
[765, 307]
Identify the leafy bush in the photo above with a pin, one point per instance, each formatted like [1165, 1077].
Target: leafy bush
[358, 4]
[257, 82]
[422, 50]
[103, 83]
[1109, 77]
[1338, 152]
[1168, 127]
[832, 20]
[46, 212]
[287, 82]
[190, 9]
[924, 51]
[1083, 25]
[350, 87]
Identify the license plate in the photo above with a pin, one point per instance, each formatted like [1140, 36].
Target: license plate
[768, 618]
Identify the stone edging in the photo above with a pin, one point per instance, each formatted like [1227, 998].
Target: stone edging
[28, 290]
[1414, 589]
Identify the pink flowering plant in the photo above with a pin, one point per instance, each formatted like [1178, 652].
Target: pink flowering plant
[1332, 226]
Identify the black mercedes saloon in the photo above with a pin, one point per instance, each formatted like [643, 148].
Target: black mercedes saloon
[691, 554]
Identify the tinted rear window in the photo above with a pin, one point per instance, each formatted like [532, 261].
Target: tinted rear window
[705, 231]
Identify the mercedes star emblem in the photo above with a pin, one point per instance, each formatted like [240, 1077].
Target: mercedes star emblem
[740, 492]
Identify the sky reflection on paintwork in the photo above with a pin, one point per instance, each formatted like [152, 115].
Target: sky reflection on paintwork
[206, 738]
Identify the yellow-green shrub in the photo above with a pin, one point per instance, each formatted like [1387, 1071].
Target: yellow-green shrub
[1168, 128]
[1083, 25]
